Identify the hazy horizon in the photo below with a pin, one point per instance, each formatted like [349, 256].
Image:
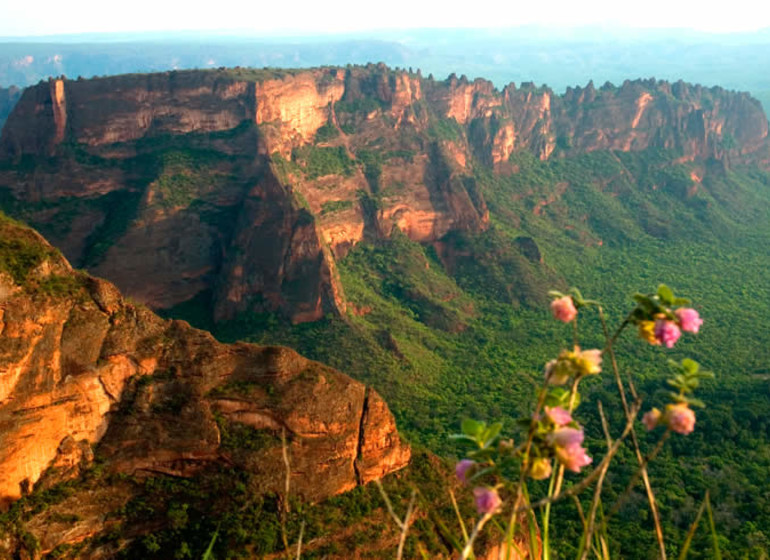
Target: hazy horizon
[344, 16]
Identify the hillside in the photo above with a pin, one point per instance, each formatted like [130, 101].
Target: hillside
[406, 231]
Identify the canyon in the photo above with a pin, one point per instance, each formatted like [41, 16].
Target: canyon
[248, 193]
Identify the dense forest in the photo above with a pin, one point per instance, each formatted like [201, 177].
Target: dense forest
[443, 347]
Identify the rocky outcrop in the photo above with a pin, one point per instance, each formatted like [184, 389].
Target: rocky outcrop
[80, 366]
[243, 186]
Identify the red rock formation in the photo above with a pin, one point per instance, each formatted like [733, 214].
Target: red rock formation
[255, 223]
[79, 366]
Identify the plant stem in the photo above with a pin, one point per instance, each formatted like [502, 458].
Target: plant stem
[556, 481]
[642, 467]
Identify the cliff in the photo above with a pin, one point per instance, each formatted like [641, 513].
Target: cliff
[8, 98]
[242, 187]
[81, 368]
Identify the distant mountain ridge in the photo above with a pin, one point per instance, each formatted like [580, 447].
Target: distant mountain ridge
[248, 184]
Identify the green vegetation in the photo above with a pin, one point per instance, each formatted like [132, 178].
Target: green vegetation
[446, 129]
[363, 105]
[236, 436]
[326, 133]
[476, 341]
[335, 206]
[319, 161]
[372, 162]
[185, 176]
[20, 256]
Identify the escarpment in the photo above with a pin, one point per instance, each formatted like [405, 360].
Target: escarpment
[81, 367]
[242, 187]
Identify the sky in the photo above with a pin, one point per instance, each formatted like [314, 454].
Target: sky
[334, 16]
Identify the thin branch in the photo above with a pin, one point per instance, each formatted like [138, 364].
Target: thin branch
[392, 513]
[286, 507]
[586, 546]
[581, 514]
[405, 527]
[287, 484]
[459, 517]
[468, 550]
[642, 468]
[299, 541]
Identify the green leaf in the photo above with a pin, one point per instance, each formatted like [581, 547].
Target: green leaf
[463, 437]
[695, 402]
[555, 294]
[673, 383]
[491, 433]
[676, 397]
[209, 553]
[690, 366]
[680, 301]
[577, 297]
[472, 428]
[665, 294]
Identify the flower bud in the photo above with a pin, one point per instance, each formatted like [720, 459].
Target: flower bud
[588, 362]
[462, 468]
[564, 437]
[647, 332]
[667, 332]
[689, 320]
[564, 309]
[680, 418]
[540, 469]
[487, 500]
[558, 415]
[573, 457]
[651, 418]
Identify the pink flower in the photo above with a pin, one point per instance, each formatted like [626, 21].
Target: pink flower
[487, 500]
[565, 437]
[680, 418]
[462, 468]
[573, 457]
[689, 319]
[564, 309]
[667, 332]
[558, 415]
[651, 418]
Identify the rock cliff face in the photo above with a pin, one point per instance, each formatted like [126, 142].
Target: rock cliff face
[8, 98]
[80, 367]
[242, 187]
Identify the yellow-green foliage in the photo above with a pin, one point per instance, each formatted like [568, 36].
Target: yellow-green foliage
[20, 250]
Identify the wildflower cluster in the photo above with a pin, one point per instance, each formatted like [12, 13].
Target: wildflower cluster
[498, 470]
[657, 320]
